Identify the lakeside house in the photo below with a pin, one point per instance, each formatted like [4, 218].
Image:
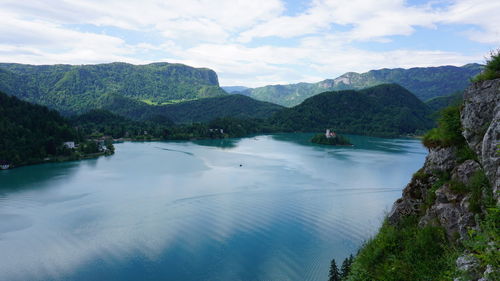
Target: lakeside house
[70, 144]
[330, 134]
[4, 165]
[215, 130]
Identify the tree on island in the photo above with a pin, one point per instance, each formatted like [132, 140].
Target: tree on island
[330, 138]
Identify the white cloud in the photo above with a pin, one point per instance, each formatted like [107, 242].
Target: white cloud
[322, 41]
[365, 19]
[481, 13]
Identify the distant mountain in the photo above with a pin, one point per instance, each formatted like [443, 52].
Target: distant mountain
[29, 132]
[202, 110]
[384, 110]
[424, 82]
[73, 89]
[234, 89]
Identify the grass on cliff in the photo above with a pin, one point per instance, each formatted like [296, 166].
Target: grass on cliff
[448, 131]
[491, 70]
[406, 252]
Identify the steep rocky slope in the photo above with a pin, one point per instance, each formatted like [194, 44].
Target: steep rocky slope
[446, 193]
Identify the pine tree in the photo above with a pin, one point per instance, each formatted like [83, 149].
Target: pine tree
[334, 272]
[346, 267]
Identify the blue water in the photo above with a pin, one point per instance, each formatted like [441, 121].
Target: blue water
[189, 211]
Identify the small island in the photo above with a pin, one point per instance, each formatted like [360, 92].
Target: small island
[330, 138]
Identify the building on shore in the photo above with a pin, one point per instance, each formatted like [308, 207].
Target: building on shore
[4, 165]
[70, 144]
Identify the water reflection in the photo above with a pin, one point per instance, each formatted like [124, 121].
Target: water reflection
[219, 143]
[183, 211]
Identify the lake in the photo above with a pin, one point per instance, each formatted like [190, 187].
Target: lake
[271, 207]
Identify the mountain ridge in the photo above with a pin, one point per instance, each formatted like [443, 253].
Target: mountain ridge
[424, 82]
[73, 89]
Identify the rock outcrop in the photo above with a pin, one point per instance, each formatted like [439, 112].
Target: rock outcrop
[480, 118]
[434, 192]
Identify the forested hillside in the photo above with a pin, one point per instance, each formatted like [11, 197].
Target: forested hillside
[30, 132]
[73, 89]
[438, 103]
[424, 82]
[201, 110]
[384, 110]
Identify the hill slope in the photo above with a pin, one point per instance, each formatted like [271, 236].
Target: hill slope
[30, 132]
[438, 103]
[424, 82]
[385, 110]
[74, 89]
[201, 110]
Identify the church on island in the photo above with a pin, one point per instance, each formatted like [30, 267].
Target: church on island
[330, 134]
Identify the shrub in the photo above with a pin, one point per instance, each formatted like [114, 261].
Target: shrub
[448, 131]
[491, 70]
[483, 243]
[481, 194]
[405, 252]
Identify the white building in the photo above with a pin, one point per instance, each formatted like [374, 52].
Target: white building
[70, 144]
[4, 165]
[330, 134]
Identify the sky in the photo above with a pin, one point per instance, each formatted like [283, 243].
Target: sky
[254, 42]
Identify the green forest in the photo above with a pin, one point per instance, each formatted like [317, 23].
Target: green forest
[31, 132]
[76, 89]
[384, 110]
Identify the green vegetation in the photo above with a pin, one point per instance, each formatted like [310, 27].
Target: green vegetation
[439, 103]
[337, 140]
[405, 252]
[483, 243]
[73, 89]
[384, 110]
[408, 252]
[99, 123]
[335, 274]
[29, 132]
[424, 82]
[102, 123]
[33, 133]
[491, 70]
[448, 131]
[201, 110]
[205, 110]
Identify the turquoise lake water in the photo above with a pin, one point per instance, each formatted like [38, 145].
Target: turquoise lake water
[271, 207]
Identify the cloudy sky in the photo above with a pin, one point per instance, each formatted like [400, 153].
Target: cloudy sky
[252, 42]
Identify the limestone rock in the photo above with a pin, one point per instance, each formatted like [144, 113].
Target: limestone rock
[480, 118]
[480, 101]
[464, 171]
[490, 274]
[469, 265]
[489, 154]
[453, 217]
[440, 159]
[412, 199]
[445, 195]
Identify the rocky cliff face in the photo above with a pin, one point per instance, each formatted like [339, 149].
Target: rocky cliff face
[442, 202]
[481, 122]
